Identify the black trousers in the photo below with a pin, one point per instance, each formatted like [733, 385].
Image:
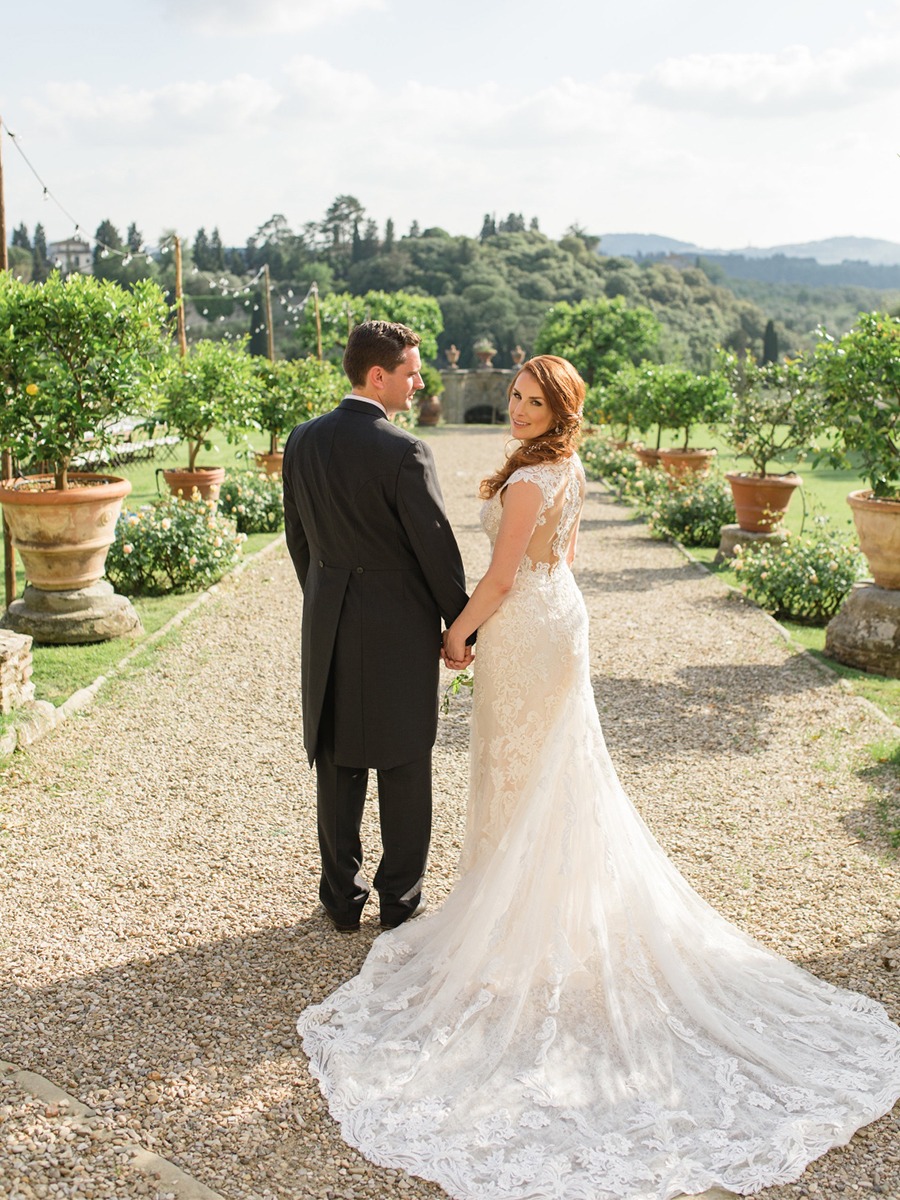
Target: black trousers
[404, 809]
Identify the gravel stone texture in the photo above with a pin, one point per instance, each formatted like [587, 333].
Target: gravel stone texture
[159, 929]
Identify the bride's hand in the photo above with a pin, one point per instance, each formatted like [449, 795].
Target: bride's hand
[455, 653]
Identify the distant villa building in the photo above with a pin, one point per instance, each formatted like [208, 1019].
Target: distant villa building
[72, 256]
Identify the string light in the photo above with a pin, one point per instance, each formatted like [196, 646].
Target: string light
[127, 254]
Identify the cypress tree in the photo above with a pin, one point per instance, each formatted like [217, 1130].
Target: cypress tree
[40, 266]
[770, 343]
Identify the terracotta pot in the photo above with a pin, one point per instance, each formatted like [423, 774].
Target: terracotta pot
[206, 480]
[686, 462]
[760, 501]
[270, 463]
[878, 525]
[429, 410]
[63, 537]
[647, 455]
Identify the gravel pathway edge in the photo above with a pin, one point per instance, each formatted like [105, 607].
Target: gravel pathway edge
[41, 717]
[60, 1107]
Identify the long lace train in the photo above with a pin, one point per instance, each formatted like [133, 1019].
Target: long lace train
[576, 1022]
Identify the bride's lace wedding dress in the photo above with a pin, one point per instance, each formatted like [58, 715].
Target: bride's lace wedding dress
[575, 1021]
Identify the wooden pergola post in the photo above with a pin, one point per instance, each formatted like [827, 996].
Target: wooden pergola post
[267, 301]
[315, 292]
[6, 469]
[179, 300]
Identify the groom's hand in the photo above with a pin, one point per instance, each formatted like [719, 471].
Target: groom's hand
[455, 658]
[457, 664]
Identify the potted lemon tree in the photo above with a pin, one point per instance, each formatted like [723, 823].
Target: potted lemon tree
[772, 412]
[678, 399]
[77, 356]
[213, 387]
[858, 376]
[291, 391]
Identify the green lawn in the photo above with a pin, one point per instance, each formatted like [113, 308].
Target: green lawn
[61, 670]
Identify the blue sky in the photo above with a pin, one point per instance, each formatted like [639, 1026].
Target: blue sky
[776, 123]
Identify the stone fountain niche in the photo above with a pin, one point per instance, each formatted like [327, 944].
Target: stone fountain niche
[476, 397]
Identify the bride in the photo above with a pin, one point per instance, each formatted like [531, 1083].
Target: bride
[575, 1021]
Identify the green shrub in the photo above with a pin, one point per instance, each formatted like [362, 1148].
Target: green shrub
[603, 460]
[172, 545]
[254, 501]
[691, 511]
[805, 579]
[622, 473]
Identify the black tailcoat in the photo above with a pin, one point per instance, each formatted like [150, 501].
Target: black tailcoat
[379, 568]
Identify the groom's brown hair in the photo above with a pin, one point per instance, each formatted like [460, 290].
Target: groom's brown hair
[376, 344]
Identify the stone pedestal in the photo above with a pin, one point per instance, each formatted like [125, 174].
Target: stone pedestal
[865, 633]
[733, 536]
[91, 614]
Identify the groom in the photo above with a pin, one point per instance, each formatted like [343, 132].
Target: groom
[379, 568]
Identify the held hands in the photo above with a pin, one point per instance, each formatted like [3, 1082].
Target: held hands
[455, 654]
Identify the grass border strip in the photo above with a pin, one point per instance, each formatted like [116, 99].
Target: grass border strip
[40, 717]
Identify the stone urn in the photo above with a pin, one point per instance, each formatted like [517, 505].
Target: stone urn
[429, 410]
[62, 538]
[878, 525]
[271, 463]
[452, 356]
[206, 481]
[761, 501]
[647, 456]
[518, 356]
[484, 352]
[865, 632]
[681, 463]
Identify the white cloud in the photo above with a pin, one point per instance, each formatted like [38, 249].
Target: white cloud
[790, 82]
[263, 16]
[231, 151]
[174, 114]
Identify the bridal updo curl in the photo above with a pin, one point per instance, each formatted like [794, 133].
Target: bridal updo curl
[563, 389]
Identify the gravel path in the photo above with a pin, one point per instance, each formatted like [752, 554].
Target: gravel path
[159, 930]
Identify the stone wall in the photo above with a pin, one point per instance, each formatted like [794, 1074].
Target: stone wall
[475, 397]
[16, 687]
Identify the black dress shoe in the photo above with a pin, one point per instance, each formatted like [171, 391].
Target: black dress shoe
[343, 925]
[393, 923]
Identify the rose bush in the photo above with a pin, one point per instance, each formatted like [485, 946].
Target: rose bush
[172, 545]
[254, 501]
[691, 512]
[805, 580]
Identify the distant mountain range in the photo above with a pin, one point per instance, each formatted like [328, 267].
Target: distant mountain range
[828, 251]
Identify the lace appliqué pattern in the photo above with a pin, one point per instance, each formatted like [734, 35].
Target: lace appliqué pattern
[575, 1022]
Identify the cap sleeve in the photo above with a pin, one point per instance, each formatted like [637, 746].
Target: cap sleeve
[547, 478]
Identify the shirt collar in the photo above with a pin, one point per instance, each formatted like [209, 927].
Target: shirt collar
[367, 400]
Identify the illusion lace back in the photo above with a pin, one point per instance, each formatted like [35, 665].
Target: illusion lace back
[575, 1021]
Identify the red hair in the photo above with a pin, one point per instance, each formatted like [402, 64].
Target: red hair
[563, 389]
